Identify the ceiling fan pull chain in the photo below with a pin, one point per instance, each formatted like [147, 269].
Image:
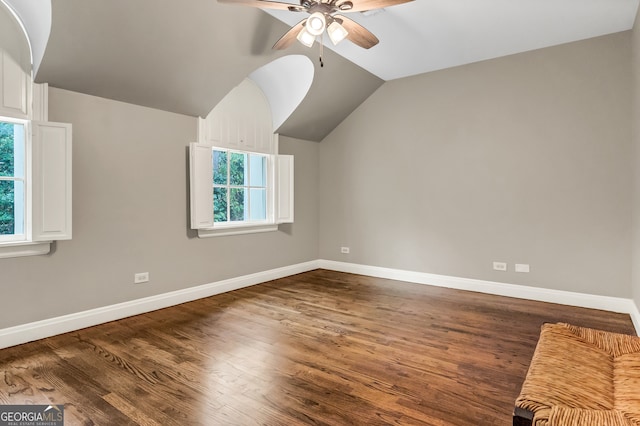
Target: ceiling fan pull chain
[321, 50]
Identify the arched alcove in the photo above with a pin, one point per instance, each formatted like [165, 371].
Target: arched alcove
[247, 117]
[284, 82]
[15, 66]
[241, 120]
[35, 16]
[13, 41]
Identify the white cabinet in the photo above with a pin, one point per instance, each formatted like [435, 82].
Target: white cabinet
[14, 88]
[242, 120]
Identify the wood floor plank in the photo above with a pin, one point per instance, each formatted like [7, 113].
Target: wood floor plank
[320, 348]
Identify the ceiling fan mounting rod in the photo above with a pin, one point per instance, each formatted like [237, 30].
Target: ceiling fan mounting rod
[325, 8]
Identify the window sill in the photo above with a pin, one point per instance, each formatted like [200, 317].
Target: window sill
[236, 230]
[24, 248]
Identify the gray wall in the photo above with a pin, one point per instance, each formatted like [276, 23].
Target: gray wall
[130, 215]
[525, 159]
[522, 159]
[635, 121]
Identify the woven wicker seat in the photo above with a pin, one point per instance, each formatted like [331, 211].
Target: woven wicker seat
[580, 376]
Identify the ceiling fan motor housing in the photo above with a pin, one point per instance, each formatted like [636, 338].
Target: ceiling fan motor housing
[324, 17]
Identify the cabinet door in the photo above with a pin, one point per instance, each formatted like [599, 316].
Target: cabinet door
[241, 121]
[212, 126]
[249, 141]
[13, 88]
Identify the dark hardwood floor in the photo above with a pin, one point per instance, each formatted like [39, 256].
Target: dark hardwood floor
[317, 348]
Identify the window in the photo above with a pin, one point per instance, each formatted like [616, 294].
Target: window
[12, 180]
[238, 192]
[35, 156]
[239, 186]
[35, 186]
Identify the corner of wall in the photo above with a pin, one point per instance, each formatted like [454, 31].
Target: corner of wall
[635, 141]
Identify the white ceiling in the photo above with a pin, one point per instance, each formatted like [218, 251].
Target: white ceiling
[428, 35]
[102, 47]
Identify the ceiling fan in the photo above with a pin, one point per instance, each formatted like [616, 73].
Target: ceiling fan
[324, 15]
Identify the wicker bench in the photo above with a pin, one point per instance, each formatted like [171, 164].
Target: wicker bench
[580, 376]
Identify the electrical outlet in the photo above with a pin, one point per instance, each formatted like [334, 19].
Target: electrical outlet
[344, 250]
[522, 267]
[141, 277]
[500, 266]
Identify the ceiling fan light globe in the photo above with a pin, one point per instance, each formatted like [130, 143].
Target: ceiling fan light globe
[306, 38]
[316, 23]
[336, 32]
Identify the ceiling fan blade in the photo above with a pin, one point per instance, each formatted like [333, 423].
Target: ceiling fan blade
[357, 33]
[266, 4]
[362, 5]
[289, 37]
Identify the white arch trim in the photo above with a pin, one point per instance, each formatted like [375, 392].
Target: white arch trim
[35, 17]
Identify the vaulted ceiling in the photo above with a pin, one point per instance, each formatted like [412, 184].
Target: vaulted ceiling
[185, 56]
[429, 35]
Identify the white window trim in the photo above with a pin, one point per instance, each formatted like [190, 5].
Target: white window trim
[45, 221]
[270, 217]
[25, 237]
[236, 230]
[201, 194]
[24, 248]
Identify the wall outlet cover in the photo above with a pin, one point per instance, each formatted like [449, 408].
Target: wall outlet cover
[500, 266]
[141, 277]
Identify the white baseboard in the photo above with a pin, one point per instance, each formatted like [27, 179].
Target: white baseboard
[635, 317]
[50, 327]
[606, 303]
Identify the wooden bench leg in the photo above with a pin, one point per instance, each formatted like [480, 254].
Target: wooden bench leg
[522, 417]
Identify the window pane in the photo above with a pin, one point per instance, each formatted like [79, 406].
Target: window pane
[11, 207]
[258, 204]
[11, 149]
[258, 170]
[238, 204]
[219, 167]
[220, 204]
[238, 169]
